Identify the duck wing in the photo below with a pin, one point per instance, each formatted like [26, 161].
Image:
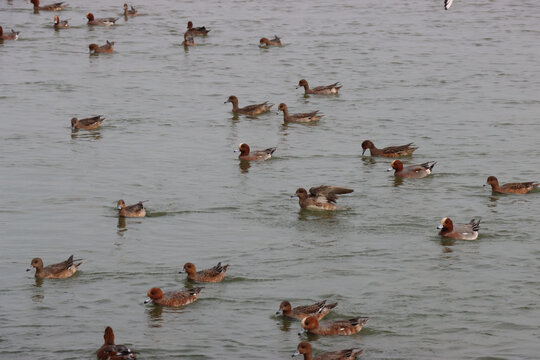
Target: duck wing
[326, 193]
[397, 149]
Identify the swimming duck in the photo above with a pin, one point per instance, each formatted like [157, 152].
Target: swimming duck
[215, 274]
[265, 42]
[173, 298]
[61, 270]
[136, 210]
[60, 24]
[320, 90]
[188, 40]
[52, 7]
[319, 310]
[110, 351]
[304, 348]
[321, 197]
[332, 327]
[390, 151]
[100, 22]
[88, 123]
[245, 153]
[412, 171]
[304, 117]
[250, 109]
[510, 188]
[108, 48]
[14, 35]
[129, 12]
[196, 30]
[464, 232]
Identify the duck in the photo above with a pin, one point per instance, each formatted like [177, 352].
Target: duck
[321, 197]
[173, 298]
[262, 155]
[320, 90]
[250, 109]
[100, 22]
[319, 310]
[304, 348]
[135, 210]
[52, 7]
[390, 151]
[411, 171]
[110, 351]
[447, 4]
[61, 270]
[108, 48]
[188, 40]
[90, 123]
[215, 274]
[464, 232]
[60, 24]
[332, 327]
[300, 118]
[14, 35]
[129, 12]
[203, 31]
[265, 42]
[511, 188]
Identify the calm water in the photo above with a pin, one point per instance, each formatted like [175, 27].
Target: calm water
[462, 84]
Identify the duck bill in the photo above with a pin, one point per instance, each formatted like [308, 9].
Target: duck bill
[440, 227]
[118, 207]
[296, 353]
[147, 301]
[28, 269]
[279, 312]
[363, 151]
[389, 169]
[302, 331]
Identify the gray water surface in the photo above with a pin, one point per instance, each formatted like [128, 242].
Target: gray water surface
[463, 84]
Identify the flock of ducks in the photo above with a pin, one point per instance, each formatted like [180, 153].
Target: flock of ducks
[320, 198]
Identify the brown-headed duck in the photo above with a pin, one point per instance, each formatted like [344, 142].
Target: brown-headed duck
[245, 153]
[320, 90]
[13, 35]
[108, 48]
[188, 40]
[100, 22]
[87, 124]
[135, 210]
[411, 171]
[511, 188]
[390, 151]
[321, 197]
[304, 348]
[173, 298]
[52, 7]
[332, 327]
[129, 12]
[60, 24]
[61, 270]
[265, 42]
[215, 274]
[250, 109]
[302, 118]
[319, 310]
[110, 351]
[447, 4]
[194, 31]
[464, 232]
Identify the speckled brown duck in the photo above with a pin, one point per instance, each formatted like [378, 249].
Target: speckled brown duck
[333, 327]
[13, 35]
[321, 197]
[319, 310]
[173, 298]
[304, 348]
[108, 48]
[250, 109]
[301, 118]
[51, 7]
[110, 351]
[60, 24]
[265, 42]
[319, 90]
[214, 274]
[129, 12]
[61, 270]
[196, 31]
[135, 210]
[390, 151]
[90, 123]
[510, 188]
